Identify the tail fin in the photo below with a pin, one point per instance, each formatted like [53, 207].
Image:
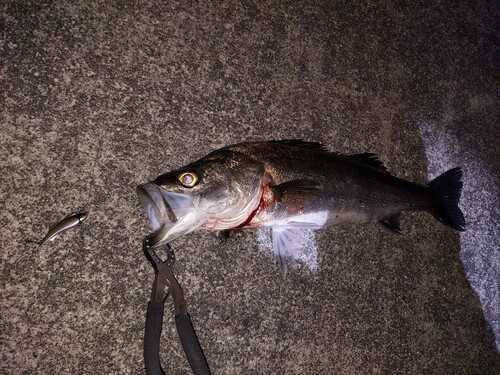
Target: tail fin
[447, 189]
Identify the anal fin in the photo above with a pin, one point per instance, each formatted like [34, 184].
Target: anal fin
[392, 223]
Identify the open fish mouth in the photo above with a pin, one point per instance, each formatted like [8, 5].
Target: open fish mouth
[157, 209]
[170, 214]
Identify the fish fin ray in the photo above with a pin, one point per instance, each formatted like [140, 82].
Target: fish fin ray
[302, 144]
[289, 245]
[369, 159]
[392, 223]
[280, 251]
[296, 192]
[447, 190]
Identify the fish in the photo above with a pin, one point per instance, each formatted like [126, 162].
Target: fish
[69, 222]
[292, 187]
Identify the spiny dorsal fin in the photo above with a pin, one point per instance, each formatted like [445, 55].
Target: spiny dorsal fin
[296, 192]
[392, 223]
[302, 144]
[369, 159]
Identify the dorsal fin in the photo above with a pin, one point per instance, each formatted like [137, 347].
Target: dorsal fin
[302, 144]
[369, 159]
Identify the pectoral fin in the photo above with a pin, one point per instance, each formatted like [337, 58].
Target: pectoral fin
[290, 244]
[296, 193]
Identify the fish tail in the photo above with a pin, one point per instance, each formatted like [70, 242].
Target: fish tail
[447, 189]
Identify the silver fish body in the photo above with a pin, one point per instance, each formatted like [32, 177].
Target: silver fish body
[69, 222]
[289, 186]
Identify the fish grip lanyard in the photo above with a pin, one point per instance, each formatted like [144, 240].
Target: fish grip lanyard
[164, 278]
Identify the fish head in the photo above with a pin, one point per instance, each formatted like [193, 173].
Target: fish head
[217, 192]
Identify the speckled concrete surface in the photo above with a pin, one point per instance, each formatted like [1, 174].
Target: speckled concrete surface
[98, 98]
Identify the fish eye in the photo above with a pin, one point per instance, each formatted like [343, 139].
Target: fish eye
[188, 179]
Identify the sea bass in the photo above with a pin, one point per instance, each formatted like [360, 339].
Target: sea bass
[292, 187]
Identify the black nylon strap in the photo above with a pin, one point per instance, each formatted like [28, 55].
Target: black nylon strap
[191, 345]
[152, 334]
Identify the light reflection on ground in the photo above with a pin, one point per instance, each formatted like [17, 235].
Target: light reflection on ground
[480, 250]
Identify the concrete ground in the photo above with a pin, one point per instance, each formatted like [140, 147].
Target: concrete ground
[99, 97]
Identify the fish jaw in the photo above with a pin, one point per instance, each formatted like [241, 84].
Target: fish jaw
[170, 214]
[173, 214]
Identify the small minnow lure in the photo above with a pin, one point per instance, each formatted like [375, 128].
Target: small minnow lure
[71, 221]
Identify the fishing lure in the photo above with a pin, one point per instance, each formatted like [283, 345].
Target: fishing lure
[69, 222]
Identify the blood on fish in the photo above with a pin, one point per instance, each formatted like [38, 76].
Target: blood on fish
[266, 199]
